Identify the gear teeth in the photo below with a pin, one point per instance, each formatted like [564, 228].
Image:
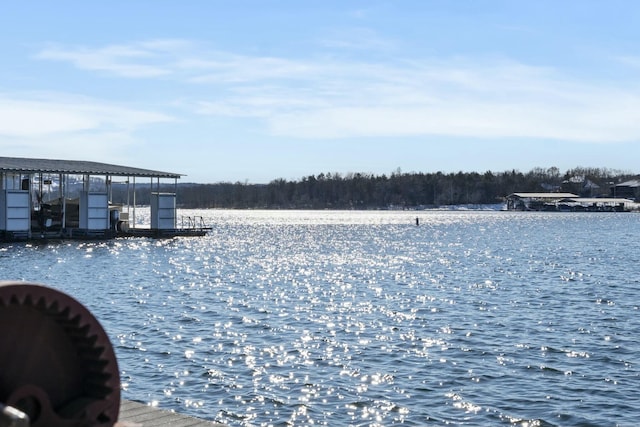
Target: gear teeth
[41, 304]
[69, 370]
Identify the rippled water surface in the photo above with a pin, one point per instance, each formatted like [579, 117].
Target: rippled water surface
[362, 318]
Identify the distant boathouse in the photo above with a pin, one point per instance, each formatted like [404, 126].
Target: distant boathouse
[44, 198]
[567, 202]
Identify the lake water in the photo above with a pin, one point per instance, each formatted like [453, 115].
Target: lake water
[363, 318]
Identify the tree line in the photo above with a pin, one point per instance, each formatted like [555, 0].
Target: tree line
[398, 190]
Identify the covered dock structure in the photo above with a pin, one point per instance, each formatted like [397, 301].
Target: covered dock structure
[46, 198]
[567, 202]
[535, 201]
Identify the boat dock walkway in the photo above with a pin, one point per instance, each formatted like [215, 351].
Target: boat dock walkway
[135, 414]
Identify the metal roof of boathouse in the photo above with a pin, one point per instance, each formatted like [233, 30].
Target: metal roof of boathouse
[79, 167]
[543, 195]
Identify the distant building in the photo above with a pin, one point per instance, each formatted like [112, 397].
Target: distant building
[534, 201]
[627, 190]
[568, 202]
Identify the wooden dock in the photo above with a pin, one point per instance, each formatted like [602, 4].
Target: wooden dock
[135, 414]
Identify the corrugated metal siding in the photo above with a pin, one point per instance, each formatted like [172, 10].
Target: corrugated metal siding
[18, 164]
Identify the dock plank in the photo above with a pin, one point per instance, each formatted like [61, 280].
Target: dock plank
[140, 414]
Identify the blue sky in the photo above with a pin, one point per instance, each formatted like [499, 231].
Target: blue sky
[255, 90]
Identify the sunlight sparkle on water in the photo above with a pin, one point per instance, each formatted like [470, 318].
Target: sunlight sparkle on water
[362, 318]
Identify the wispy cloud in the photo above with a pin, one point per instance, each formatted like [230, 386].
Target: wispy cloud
[46, 114]
[137, 60]
[498, 99]
[63, 126]
[632, 61]
[242, 69]
[358, 39]
[320, 97]
[108, 147]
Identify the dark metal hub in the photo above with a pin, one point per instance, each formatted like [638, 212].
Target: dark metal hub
[57, 364]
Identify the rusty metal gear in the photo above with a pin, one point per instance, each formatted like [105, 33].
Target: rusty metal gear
[57, 364]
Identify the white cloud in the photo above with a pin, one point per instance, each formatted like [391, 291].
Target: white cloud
[29, 119]
[35, 116]
[108, 147]
[358, 39]
[242, 69]
[495, 100]
[138, 60]
[466, 117]
[632, 61]
[63, 126]
[319, 97]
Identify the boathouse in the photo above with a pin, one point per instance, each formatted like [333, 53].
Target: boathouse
[534, 201]
[44, 198]
[628, 190]
[567, 202]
